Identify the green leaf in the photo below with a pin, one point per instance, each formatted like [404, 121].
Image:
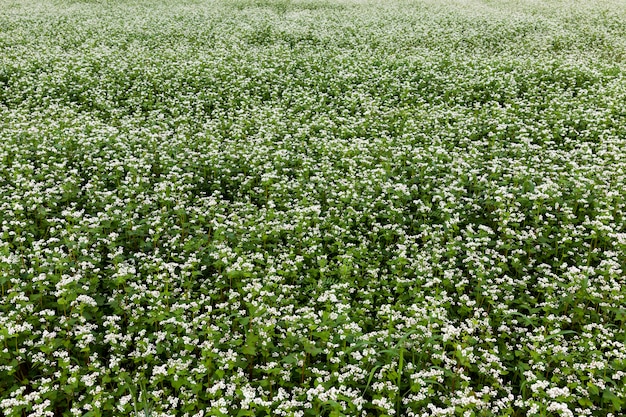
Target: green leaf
[369, 380]
[614, 399]
[177, 383]
[563, 332]
[311, 349]
[290, 359]
[249, 349]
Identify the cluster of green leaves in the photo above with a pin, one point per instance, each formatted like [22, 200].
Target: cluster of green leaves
[312, 207]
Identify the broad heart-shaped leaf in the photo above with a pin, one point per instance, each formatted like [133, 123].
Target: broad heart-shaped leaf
[290, 359]
[311, 349]
[177, 383]
[615, 400]
[249, 349]
[593, 390]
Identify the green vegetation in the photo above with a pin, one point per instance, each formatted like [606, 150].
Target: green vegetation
[312, 208]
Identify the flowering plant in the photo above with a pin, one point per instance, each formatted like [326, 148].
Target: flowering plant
[312, 208]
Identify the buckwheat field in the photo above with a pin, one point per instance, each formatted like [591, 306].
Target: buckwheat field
[312, 208]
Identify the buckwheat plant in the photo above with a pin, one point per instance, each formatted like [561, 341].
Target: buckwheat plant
[312, 208]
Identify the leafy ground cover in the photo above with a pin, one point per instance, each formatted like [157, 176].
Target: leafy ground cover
[312, 208]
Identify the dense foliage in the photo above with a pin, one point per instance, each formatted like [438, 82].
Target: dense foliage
[312, 208]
